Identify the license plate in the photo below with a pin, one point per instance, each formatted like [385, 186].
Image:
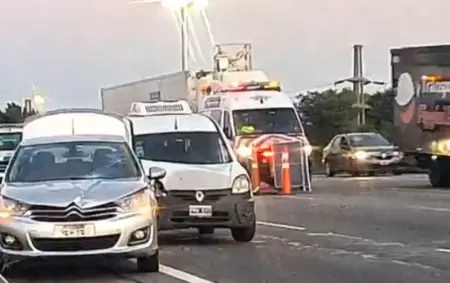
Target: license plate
[200, 210]
[384, 163]
[74, 231]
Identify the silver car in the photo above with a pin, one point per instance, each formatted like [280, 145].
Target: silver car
[78, 196]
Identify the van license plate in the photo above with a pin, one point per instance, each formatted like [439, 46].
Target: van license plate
[74, 231]
[200, 210]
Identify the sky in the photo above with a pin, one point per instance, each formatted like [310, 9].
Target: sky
[69, 49]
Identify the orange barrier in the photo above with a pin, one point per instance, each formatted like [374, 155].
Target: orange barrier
[286, 181]
[256, 180]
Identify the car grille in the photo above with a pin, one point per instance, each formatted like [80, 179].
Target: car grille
[72, 213]
[183, 216]
[75, 244]
[379, 156]
[210, 195]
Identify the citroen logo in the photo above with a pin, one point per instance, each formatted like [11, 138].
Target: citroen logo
[199, 196]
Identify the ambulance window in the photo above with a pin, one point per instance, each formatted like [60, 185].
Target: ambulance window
[227, 124]
[217, 116]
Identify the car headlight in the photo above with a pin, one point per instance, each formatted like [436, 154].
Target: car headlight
[361, 155]
[240, 185]
[10, 208]
[244, 151]
[397, 154]
[308, 149]
[142, 202]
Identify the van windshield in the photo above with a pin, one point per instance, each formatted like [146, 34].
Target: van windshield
[73, 161]
[266, 121]
[183, 147]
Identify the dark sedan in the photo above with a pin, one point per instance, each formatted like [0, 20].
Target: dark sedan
[361, 153]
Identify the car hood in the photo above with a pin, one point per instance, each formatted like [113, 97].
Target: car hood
[375, 148]
[84, 193]
[193, 177]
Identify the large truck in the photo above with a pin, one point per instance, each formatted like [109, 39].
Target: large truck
[421, 80]
[232, 63]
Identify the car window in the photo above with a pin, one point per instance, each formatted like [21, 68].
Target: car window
[73, 161]
[343, 142]
[227, 124]
[217, 116]
[9, 141]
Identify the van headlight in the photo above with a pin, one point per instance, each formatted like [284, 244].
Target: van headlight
[10, 208]
[240, 185]
[142, 202]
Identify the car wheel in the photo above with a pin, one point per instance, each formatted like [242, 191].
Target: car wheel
[206, 230]
[328, 170]
[244, 234]
[148, 263]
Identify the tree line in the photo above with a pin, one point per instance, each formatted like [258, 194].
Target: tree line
[330, 112]
[14, 113]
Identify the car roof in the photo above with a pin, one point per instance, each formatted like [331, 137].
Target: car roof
[172, 123]
[74, 138]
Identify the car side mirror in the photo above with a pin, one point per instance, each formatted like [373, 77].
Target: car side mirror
[156, 173]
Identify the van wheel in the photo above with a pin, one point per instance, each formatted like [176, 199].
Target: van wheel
[244, 234]
[148, 263]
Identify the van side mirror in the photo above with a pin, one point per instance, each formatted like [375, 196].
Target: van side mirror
[156, 173]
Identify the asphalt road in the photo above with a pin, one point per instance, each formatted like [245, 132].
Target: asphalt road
[367, 229]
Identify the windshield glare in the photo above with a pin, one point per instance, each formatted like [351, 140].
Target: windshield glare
[183, 147]
[73, 161]
[266, 121]
[9, 141]
[368, 140]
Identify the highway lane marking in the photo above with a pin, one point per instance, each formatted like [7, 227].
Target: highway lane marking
[3, 279]
[181, 275]
[443, 250]
[438, 209]
[278, 225]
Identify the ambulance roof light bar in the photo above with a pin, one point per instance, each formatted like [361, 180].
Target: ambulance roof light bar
[244, 86]
[159, 107]
[435, 78]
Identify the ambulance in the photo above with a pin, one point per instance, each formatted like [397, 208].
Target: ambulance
[205, 186]
[266, 114]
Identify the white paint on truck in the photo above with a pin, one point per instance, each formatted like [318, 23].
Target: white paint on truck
[118, 99]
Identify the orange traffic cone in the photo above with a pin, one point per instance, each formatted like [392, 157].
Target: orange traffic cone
[286, 183]
[256, 181]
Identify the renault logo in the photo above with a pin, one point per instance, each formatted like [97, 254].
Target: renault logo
[199, 196]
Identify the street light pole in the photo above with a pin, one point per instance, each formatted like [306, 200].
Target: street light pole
[184, 38]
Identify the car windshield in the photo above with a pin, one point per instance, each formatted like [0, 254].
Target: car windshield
[266, 121]
[183, 147]
[368, 140]
[9, 141]
[73, 161]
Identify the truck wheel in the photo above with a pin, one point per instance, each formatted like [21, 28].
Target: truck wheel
[148, 263]
[244, 234]
[438, 175]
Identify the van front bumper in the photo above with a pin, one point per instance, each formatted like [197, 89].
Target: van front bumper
[228, 210]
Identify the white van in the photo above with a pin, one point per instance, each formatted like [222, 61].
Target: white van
[205, 186]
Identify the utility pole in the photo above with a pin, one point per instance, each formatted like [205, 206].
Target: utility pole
[359, 81]
[184, 37]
